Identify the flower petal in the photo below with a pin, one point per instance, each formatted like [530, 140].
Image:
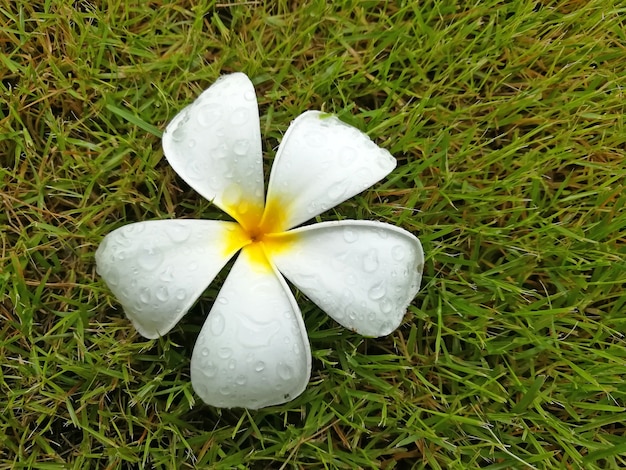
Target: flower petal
[158, 269]
[214, 144]
[253, 350]
[363, 274]
[322, 162]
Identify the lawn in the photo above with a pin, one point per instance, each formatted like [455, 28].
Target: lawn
[507, 121]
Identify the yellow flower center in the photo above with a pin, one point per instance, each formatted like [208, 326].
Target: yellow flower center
[260, 232]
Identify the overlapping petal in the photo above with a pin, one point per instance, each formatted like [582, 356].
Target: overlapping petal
[253, 349]
[320, 163]
[158, 269]
[363, 274]
[214, 144]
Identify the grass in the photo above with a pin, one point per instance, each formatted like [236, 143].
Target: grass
[507, 120]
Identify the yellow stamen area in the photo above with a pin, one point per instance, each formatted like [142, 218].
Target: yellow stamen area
[260, 232]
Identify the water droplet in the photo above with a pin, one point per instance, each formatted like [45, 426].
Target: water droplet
[149, 258]
[217, 323]
[232, 364]
[351, 314]
[178, 135]
[382, 233]
[241, 147]
[225, 390]
[386, 306]
[209, 115]
[223, 300]
[241, 380]
[209, 369]
[162, 294]
[284, 371]
[181, 294]
[337, 190]
[315, 139]
[232, 195]
[377, 291]
[178, 232]
[167, 275]
[398, 252]
[249, 95]
[347, 155]
[225, 353]
[145, 295]
[370, 261]
[121, 256]
[239, 116]
[260, 366]
[191, 143]
[349, 235]
[205, 352]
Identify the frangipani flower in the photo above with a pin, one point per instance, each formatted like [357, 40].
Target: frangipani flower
[253, 349]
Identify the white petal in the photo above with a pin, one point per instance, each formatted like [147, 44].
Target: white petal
[363, 274]
[253, 350]
[158, 269]
[214, 144]
[321, 162]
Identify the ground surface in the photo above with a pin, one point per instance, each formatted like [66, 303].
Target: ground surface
[507, 120]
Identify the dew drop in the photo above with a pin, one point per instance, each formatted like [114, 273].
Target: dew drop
[241, 380]
[377, 291]
[149, 258]
[225, 390]
[386, 306]
[167, 275]
[225, 353]
[162, 294]
[398, 252]
[144, 295]
[223, 300]
[210, 369]
[205, 352]
[315, 139]
[349, 235]
[178, 232]
[217, 323]
[284, 371]
[241, 147]
[232, 364]
[347, 155]
[249, 95]
[239, 116]
[337, 190]
[370, 261]
[178, 135]
[191, 143]
[232, 195]
[209, 115]
[181, 294]
[260, 366]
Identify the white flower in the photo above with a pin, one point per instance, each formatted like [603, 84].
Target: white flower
[253, 349]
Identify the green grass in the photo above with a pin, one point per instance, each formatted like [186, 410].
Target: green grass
[507, 120]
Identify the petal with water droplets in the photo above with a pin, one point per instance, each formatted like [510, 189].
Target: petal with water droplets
[320, 163]
[363, 274]
[253, 350]
[214, 144]
[158, 269]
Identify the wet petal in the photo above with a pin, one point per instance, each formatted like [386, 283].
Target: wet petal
[253, 350]
[158, 269]
[214, 144]
[363, 274]
[321, 162]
